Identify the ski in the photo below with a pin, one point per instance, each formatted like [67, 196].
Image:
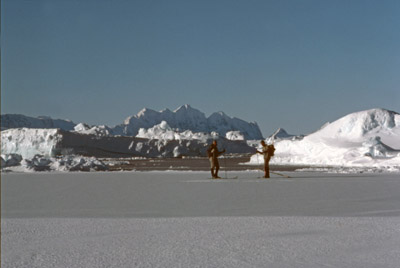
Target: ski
[280, 174]
[227, 178]
[277, 173]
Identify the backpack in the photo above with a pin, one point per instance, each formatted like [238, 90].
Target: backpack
[271, 150]
[209, 154]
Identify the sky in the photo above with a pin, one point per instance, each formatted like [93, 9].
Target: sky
[289, 64]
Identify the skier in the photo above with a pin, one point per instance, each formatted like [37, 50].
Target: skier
[213, 153]
[268, 152]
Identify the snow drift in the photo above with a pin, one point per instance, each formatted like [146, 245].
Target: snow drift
[65, 163]
[366, 138]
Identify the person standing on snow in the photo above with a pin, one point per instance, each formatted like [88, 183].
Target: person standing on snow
[268, 152]
[213, 153]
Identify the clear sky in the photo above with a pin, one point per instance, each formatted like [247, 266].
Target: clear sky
[290, 64]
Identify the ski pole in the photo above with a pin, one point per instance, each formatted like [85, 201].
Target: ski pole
[226, 176]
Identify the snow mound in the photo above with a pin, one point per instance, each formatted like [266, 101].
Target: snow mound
[66, 163]
[358, 126]
[77, 163]
[234, 136]
[368, 138]
[101, 130]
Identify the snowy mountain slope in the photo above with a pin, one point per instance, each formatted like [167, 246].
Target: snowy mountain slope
[188, 118]
[22, 121]
[222, 124]
[281, 134]
[366, 138]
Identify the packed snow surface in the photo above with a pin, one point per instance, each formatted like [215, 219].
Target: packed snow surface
[367, 138]
[184, 219]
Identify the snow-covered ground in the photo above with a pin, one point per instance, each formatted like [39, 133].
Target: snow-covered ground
[184, 219]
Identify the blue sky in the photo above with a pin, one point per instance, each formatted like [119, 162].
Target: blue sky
[290, 64]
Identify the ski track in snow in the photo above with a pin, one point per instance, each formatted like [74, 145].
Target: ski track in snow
[158, 219]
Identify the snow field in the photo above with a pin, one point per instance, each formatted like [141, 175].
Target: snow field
[202, 242]
[183, 219]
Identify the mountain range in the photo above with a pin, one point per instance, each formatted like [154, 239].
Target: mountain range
[182, 119]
